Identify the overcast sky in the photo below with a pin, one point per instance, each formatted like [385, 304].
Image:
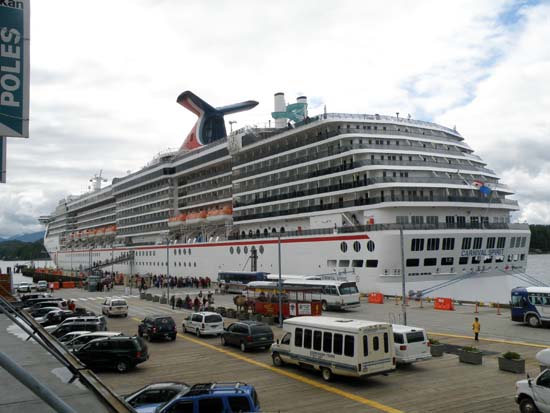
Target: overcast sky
[105, 76]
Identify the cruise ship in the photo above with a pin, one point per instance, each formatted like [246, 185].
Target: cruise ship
[381, 198]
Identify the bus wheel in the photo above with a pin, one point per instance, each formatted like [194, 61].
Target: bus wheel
[324, 305]
[533, 321]
[277, 360]
[326, 374]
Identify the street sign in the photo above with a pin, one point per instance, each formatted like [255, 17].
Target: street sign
[14, 68]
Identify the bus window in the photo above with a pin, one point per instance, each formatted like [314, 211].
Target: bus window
[518, 301]
[365, 346]
[348, 288]
[327, 342]
[307, 338]
[386, 343]
[337, 344]
[298, 337]
[317, 339]
[333, 290]
[349, 346]
[375, 343]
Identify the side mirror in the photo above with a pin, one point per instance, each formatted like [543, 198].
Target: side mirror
[277, 341]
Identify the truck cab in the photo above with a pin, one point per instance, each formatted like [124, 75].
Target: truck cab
[533, 395]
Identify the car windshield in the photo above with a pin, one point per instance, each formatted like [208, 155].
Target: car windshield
[214, 318]
[348, 288]
[164, 321]
[118, 302]
[260, 329]
[415, 337]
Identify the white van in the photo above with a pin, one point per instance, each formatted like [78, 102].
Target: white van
[411, 344]
[340, 346]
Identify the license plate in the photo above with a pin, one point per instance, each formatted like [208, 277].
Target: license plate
[214, 326]
[262, 338]
[119, 308]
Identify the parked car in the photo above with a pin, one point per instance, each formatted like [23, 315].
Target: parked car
[54, 317]
[157, 326]
[248, 334]
[203, 323]
[32, 301]
[41, 312]
[71, 335]
[24, 287]
[62, 304]
[215, 397]
[83, 339]
[42, 285]
[122, 353]
[150, 397]
[533, 395]
[30, 296]
[114, 306]
[78, 324]
[411, 344]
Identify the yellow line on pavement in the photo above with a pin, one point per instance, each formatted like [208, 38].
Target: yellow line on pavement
[291, 375]
[295, 376]
[491, 340]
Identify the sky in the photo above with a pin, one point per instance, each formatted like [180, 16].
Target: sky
[105, 76]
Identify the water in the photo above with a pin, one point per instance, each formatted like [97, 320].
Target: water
[537, 266]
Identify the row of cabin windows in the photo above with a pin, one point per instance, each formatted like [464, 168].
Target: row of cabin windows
[449, 220]
[336, 343]
[354, 263]
[448, 244]
[447, 261]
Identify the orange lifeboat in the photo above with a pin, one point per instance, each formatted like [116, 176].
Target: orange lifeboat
[217, 215]
[110, 230]
[196, 217]
[177, 220]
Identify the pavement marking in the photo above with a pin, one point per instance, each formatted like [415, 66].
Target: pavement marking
[291, 375]
[492, 340]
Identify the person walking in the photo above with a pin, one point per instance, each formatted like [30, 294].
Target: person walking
[476, 326]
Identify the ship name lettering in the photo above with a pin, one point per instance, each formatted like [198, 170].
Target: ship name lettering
[491, 252]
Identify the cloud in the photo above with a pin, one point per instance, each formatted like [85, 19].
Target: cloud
[104, 81]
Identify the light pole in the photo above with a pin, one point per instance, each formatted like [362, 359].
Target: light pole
[403, 305]
[280, 286]
[167, 270]
[231, 122]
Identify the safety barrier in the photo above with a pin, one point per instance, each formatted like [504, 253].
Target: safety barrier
[55, 285]
[68, 284]
[444, 304]
[376, 298]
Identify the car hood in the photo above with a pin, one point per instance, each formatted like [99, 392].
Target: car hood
[40, 320]
[51, 328]
[147, 408]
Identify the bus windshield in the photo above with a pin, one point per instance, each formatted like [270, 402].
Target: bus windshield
[348, 288]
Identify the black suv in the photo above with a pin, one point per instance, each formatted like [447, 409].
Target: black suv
[120, 352]
[55, 317]
[158, 326]
[248, 334]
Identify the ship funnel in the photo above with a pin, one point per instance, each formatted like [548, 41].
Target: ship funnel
[280, 106]
[303, 99]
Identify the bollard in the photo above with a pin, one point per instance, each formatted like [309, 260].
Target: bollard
[421, 306]
[476, 310]
[396, 300]
[407, 301]
[498, 308]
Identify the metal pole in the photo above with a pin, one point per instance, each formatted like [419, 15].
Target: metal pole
[280, 287]
[167, 270]
[34, 385]
[403, 306]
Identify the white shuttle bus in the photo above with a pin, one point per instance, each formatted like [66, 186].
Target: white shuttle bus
[338, 346]
[335, 294]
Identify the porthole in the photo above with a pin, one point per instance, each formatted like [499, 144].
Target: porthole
[180, 264]
[261, 249]
[185, 264]
[238, 250]
[357, 246]
[194, 264]
[179, 251]
[189, 264]
[175, 252]
[189, 251]
[370, 246]
[245, 250]
[231, 250]
[184, 251]
[343, 246]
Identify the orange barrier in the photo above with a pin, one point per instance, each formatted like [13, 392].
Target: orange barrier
[444, 304]
[68, 284]
[376, 298]
[55, 285]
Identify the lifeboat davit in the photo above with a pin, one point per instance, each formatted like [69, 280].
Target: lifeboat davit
[196, 217]
[177, 221]
[218, 215]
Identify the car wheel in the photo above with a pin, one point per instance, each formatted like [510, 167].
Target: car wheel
[324, 305]
[198, 332]
[224, 342]
[122, 366]
[277, 360]
[527, 406]
[149, 338]
[243, 347]
[126, 315]
[140, 333]
[326, 374]
[533, 321]
[173, 337]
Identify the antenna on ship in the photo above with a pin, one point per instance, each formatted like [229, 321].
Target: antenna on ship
[96, 181]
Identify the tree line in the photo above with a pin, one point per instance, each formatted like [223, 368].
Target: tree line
[540, 238]
[25, 251]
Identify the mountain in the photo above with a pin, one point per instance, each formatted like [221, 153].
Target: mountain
[31, 237]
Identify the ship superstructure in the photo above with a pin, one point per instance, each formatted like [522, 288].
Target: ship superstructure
[335, 188]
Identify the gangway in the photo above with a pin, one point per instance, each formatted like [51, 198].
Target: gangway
[123, 258]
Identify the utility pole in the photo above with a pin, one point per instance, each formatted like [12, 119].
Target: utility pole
[280, 286]
[167, 270]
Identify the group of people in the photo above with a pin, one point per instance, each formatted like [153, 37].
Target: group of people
[163, 281]
[200, 303]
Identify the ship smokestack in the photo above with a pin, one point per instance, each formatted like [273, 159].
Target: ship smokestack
[280, 106]
[303, 99]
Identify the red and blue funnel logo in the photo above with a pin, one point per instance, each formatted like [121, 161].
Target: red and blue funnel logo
[210, 126]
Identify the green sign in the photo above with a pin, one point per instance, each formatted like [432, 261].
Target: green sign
[295, 112]
[14, 68]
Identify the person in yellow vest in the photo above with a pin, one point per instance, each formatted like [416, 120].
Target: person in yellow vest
[476, 326]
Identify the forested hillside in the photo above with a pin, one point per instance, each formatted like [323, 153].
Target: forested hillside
[540, 238]
[18, 250]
